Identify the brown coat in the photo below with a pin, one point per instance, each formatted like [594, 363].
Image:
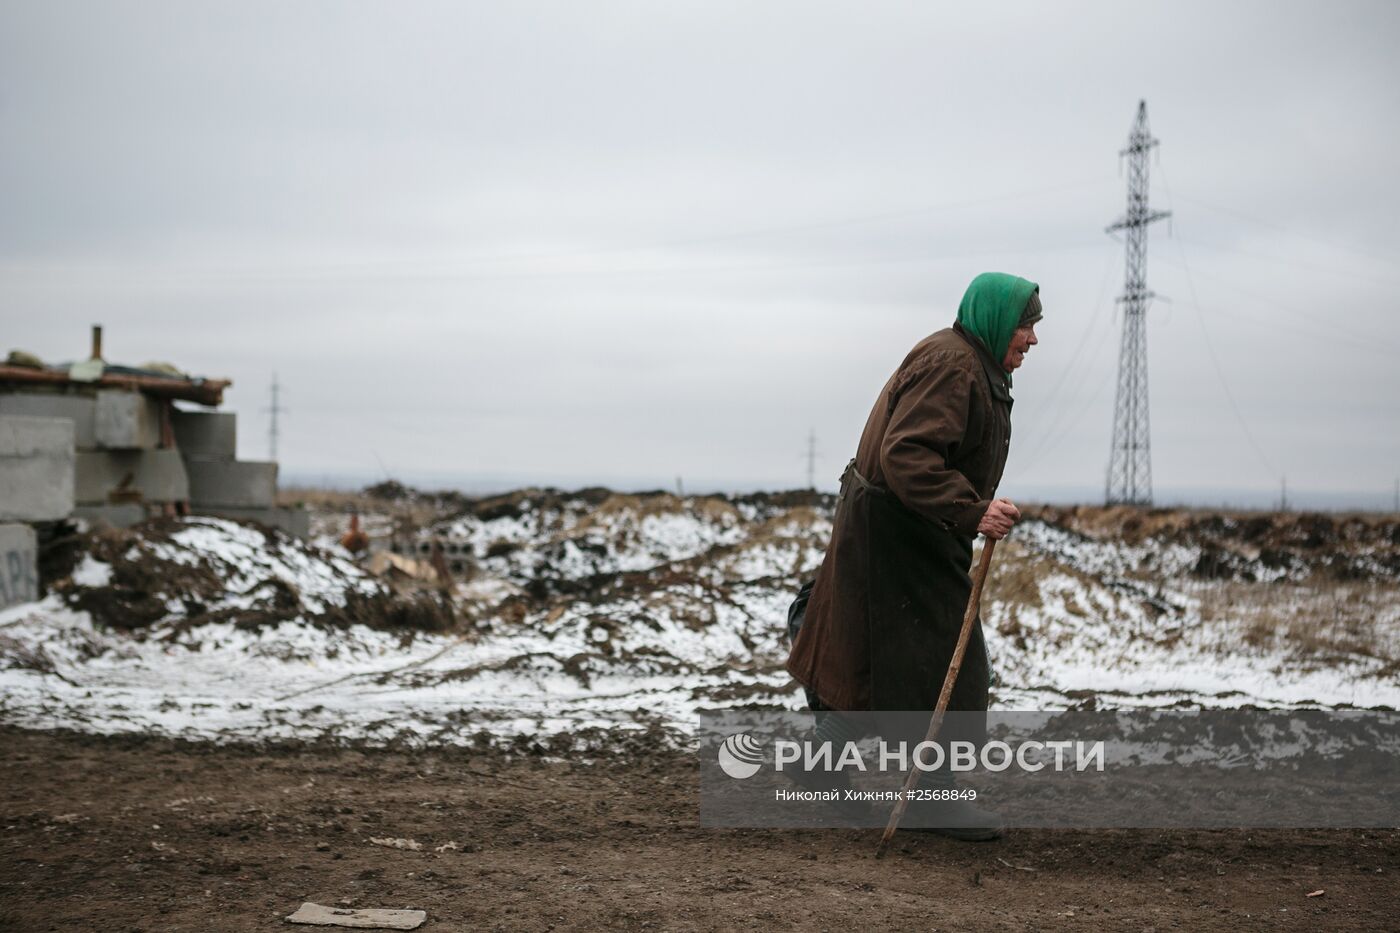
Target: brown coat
[887, 604]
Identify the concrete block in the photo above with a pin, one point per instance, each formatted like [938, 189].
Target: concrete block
[106, 477]
[206, 435]
[118, 516]
[126, 420]
[19, 565]
[79, 409]
[241, 484]
[36, 468]
[293, 521]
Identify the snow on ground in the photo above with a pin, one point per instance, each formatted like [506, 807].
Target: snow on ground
[643, 610]
[1129, 627]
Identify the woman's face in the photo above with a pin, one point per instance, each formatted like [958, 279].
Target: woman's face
[1022, 339]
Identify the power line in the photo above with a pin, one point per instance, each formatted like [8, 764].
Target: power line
[1057, 244]
[1277, 309]
[1047, 428]
[1219, 371]
[393, 268]
[1210, 349]
[1295, 263]
[804, 227]
[1051, 442]
[1274, 225]
[1312, 333]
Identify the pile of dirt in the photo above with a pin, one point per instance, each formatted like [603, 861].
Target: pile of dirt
[189, 572]
[1248, 546]
[395, 493]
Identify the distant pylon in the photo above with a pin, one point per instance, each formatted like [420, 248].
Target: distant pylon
[1130, 460]
[274, 409]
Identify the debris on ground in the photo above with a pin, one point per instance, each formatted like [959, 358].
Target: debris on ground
[398, 567]
[1016, 867]
[366, 919]
[391, 842]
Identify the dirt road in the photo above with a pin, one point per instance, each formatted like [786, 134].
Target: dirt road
[140, 834]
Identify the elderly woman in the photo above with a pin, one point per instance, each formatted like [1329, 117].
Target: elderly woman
[885, 610]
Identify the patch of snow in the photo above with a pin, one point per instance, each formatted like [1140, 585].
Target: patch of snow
[92, 573]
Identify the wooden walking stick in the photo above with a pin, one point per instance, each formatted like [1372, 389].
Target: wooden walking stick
[979, 576]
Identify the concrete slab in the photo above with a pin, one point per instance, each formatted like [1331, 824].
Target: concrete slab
[79, 409]
[36, 468]
[118, 516]
[108, 477]
[19, 565]
[242, 484]
[295, 522]
[206, 435]
[126, 420]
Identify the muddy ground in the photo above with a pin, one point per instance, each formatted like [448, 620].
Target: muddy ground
[131, 834]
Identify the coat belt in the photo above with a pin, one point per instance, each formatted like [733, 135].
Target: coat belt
[852, 475]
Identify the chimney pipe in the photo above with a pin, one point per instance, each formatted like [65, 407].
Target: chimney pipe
[97, 341]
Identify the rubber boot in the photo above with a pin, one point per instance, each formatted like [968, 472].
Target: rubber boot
[832, 729]
[956, 818]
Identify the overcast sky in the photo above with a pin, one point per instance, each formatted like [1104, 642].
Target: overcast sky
[624, 242]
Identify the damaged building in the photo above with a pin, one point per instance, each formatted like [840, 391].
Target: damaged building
[118, 444]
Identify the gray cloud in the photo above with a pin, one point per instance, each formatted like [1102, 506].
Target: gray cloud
[621, 242]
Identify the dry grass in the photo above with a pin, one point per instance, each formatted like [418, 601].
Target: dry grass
[1304, 530]
[1014, 577]
[1118, 522]
[708, 507]
[1316, 620]
[803, 519]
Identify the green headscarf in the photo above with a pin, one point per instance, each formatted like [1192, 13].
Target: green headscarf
[991, 309]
